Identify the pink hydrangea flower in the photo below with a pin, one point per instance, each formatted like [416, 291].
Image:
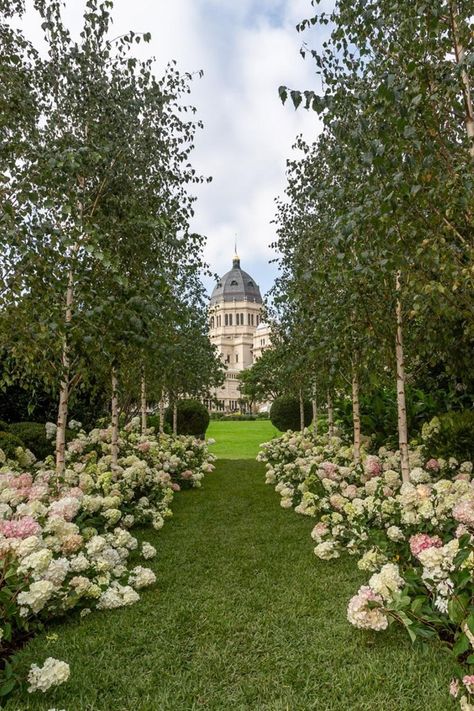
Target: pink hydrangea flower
[350, 491]
[421, 541]
[432, 465]
[336, 501]
[373, 466]
[463, 512]
[143, 447]
[175, 486]
[24, 481]
[462, 476]
[330, 470]
[319, 531]
[72, 543]
[37, 492]
[454, 688]
[65, 508]
[21, 528]
[187, 474]
[76, 492]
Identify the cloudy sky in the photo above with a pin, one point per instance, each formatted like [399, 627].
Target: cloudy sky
[247, 48]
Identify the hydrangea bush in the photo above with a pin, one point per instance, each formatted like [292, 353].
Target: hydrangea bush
[65, 543]
[415, 538]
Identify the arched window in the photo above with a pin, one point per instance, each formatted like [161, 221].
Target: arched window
[241, 319]
[226, 319]
[248, 319]
[234, 283]
[250, 283]
[237, 319]
[212, 321]
[230, 319]
[252, 321]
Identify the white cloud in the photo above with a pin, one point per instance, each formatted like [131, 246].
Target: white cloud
[247, 48]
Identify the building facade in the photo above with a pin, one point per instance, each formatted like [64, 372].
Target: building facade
[235, 327]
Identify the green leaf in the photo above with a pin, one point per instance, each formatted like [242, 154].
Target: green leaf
[457, 608]
[461, 646]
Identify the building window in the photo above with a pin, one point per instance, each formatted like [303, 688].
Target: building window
[248, 319]
[236, 357]
[230, 319]
[241, 319]
[258, 320]
[252, 320]
[212, 322]
[227, 359]
[226, 319]
[237, 319]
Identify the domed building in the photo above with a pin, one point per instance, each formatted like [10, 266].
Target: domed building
[235, 313]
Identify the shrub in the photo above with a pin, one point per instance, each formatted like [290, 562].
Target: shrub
[154, 421]
[285, 413]
[451, 435]
[193, 418]
[9, 442]
[4, 426]
[33, 435]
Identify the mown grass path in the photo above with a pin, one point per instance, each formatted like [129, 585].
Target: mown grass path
[242, 617]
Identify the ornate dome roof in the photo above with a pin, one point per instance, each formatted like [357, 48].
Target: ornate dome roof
[237, 285]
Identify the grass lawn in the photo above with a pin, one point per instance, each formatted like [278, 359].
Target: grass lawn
[243, 618]
[239, 440]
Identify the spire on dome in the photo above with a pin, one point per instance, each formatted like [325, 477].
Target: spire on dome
[235, 258]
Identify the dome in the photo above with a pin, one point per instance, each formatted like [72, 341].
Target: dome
[237, 285]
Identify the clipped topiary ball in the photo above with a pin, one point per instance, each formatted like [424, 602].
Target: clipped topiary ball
[193, 418]
[450, 435]
[285, 413]
[8, 444]
[33, 435]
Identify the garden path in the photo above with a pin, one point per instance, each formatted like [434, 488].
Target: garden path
[243, 617]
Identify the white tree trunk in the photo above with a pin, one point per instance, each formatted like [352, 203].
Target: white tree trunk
[356, 415]
[64, 389]
[330, 416]
[175, 418]
[143, 403]
[401, 402]
[314, 404]
[301, 411]
[115, 417]
[162, 413]
[460, 54]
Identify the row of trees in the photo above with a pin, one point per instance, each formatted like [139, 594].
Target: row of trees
[376, 231]
[100, 271]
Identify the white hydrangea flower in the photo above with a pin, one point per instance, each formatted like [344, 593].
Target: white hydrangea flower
[395, 533]
[37, 595]
[387, 582]
[326, 550]
[117, 596]
[52, 673]
[141, 577]
[148, 551]
[50, 430]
